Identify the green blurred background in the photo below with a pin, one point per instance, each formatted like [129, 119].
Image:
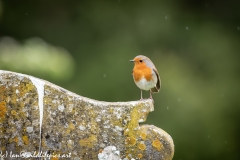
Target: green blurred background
[85, 47]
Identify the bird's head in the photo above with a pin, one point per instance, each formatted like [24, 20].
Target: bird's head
[140, 60]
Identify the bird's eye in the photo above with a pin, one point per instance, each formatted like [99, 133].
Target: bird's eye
[140, 60]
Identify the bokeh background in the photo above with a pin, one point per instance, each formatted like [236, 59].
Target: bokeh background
[85, 46]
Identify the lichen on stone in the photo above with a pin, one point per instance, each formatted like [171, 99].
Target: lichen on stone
[142, 146]
[88, 142]
[3, 109]
[69, 123]
[157, 144]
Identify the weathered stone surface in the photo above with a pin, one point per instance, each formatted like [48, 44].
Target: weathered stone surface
[36, 115]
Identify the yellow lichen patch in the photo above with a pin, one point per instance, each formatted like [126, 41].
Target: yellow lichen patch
[111, 110]
[71, 126]
[142, 146]
[22, 113]
[133, 124]
[43, 143]
[16, 139]
[140, 156]
[29, 87]
[2, 97]
[25, 87]
[130, 141]
[94, 128]
[14, 112]
[25, 140]
[49, 100]
[132, 131]
[2, 90]
[157, 144]
[88, 142]
[92, 113]
[3, 109]
[143, 135]
[54, 158]
[117, 122]
[67, 132]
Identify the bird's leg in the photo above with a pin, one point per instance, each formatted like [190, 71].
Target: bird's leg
[150, 95]
[141, 95]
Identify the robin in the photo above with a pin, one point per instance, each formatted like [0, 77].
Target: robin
[145, 75]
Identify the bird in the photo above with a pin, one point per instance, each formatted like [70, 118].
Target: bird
[145, 75]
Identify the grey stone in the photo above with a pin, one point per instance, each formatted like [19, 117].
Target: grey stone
[36, 115]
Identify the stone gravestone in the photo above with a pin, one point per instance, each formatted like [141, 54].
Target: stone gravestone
[41, 120]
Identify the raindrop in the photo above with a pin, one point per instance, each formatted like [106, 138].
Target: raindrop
[208, 136]
[167, 108]
[226, 142]
[238, 28]
[104, 75]
[27, 14]
[166, 17]
[187, 28]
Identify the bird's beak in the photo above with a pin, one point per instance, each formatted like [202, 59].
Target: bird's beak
[131, 60]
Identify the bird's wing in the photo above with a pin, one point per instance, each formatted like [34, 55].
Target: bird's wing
[158, 85]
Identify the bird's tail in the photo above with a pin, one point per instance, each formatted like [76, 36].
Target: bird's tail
[154, 89]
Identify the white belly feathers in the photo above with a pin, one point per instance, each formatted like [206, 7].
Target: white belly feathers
[147, 85]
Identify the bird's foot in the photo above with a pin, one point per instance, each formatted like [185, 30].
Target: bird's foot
[151, 99]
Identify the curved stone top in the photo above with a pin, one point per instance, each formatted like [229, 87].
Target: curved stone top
[39, 116]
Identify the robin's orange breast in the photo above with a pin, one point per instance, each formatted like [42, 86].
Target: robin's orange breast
[142, 71]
